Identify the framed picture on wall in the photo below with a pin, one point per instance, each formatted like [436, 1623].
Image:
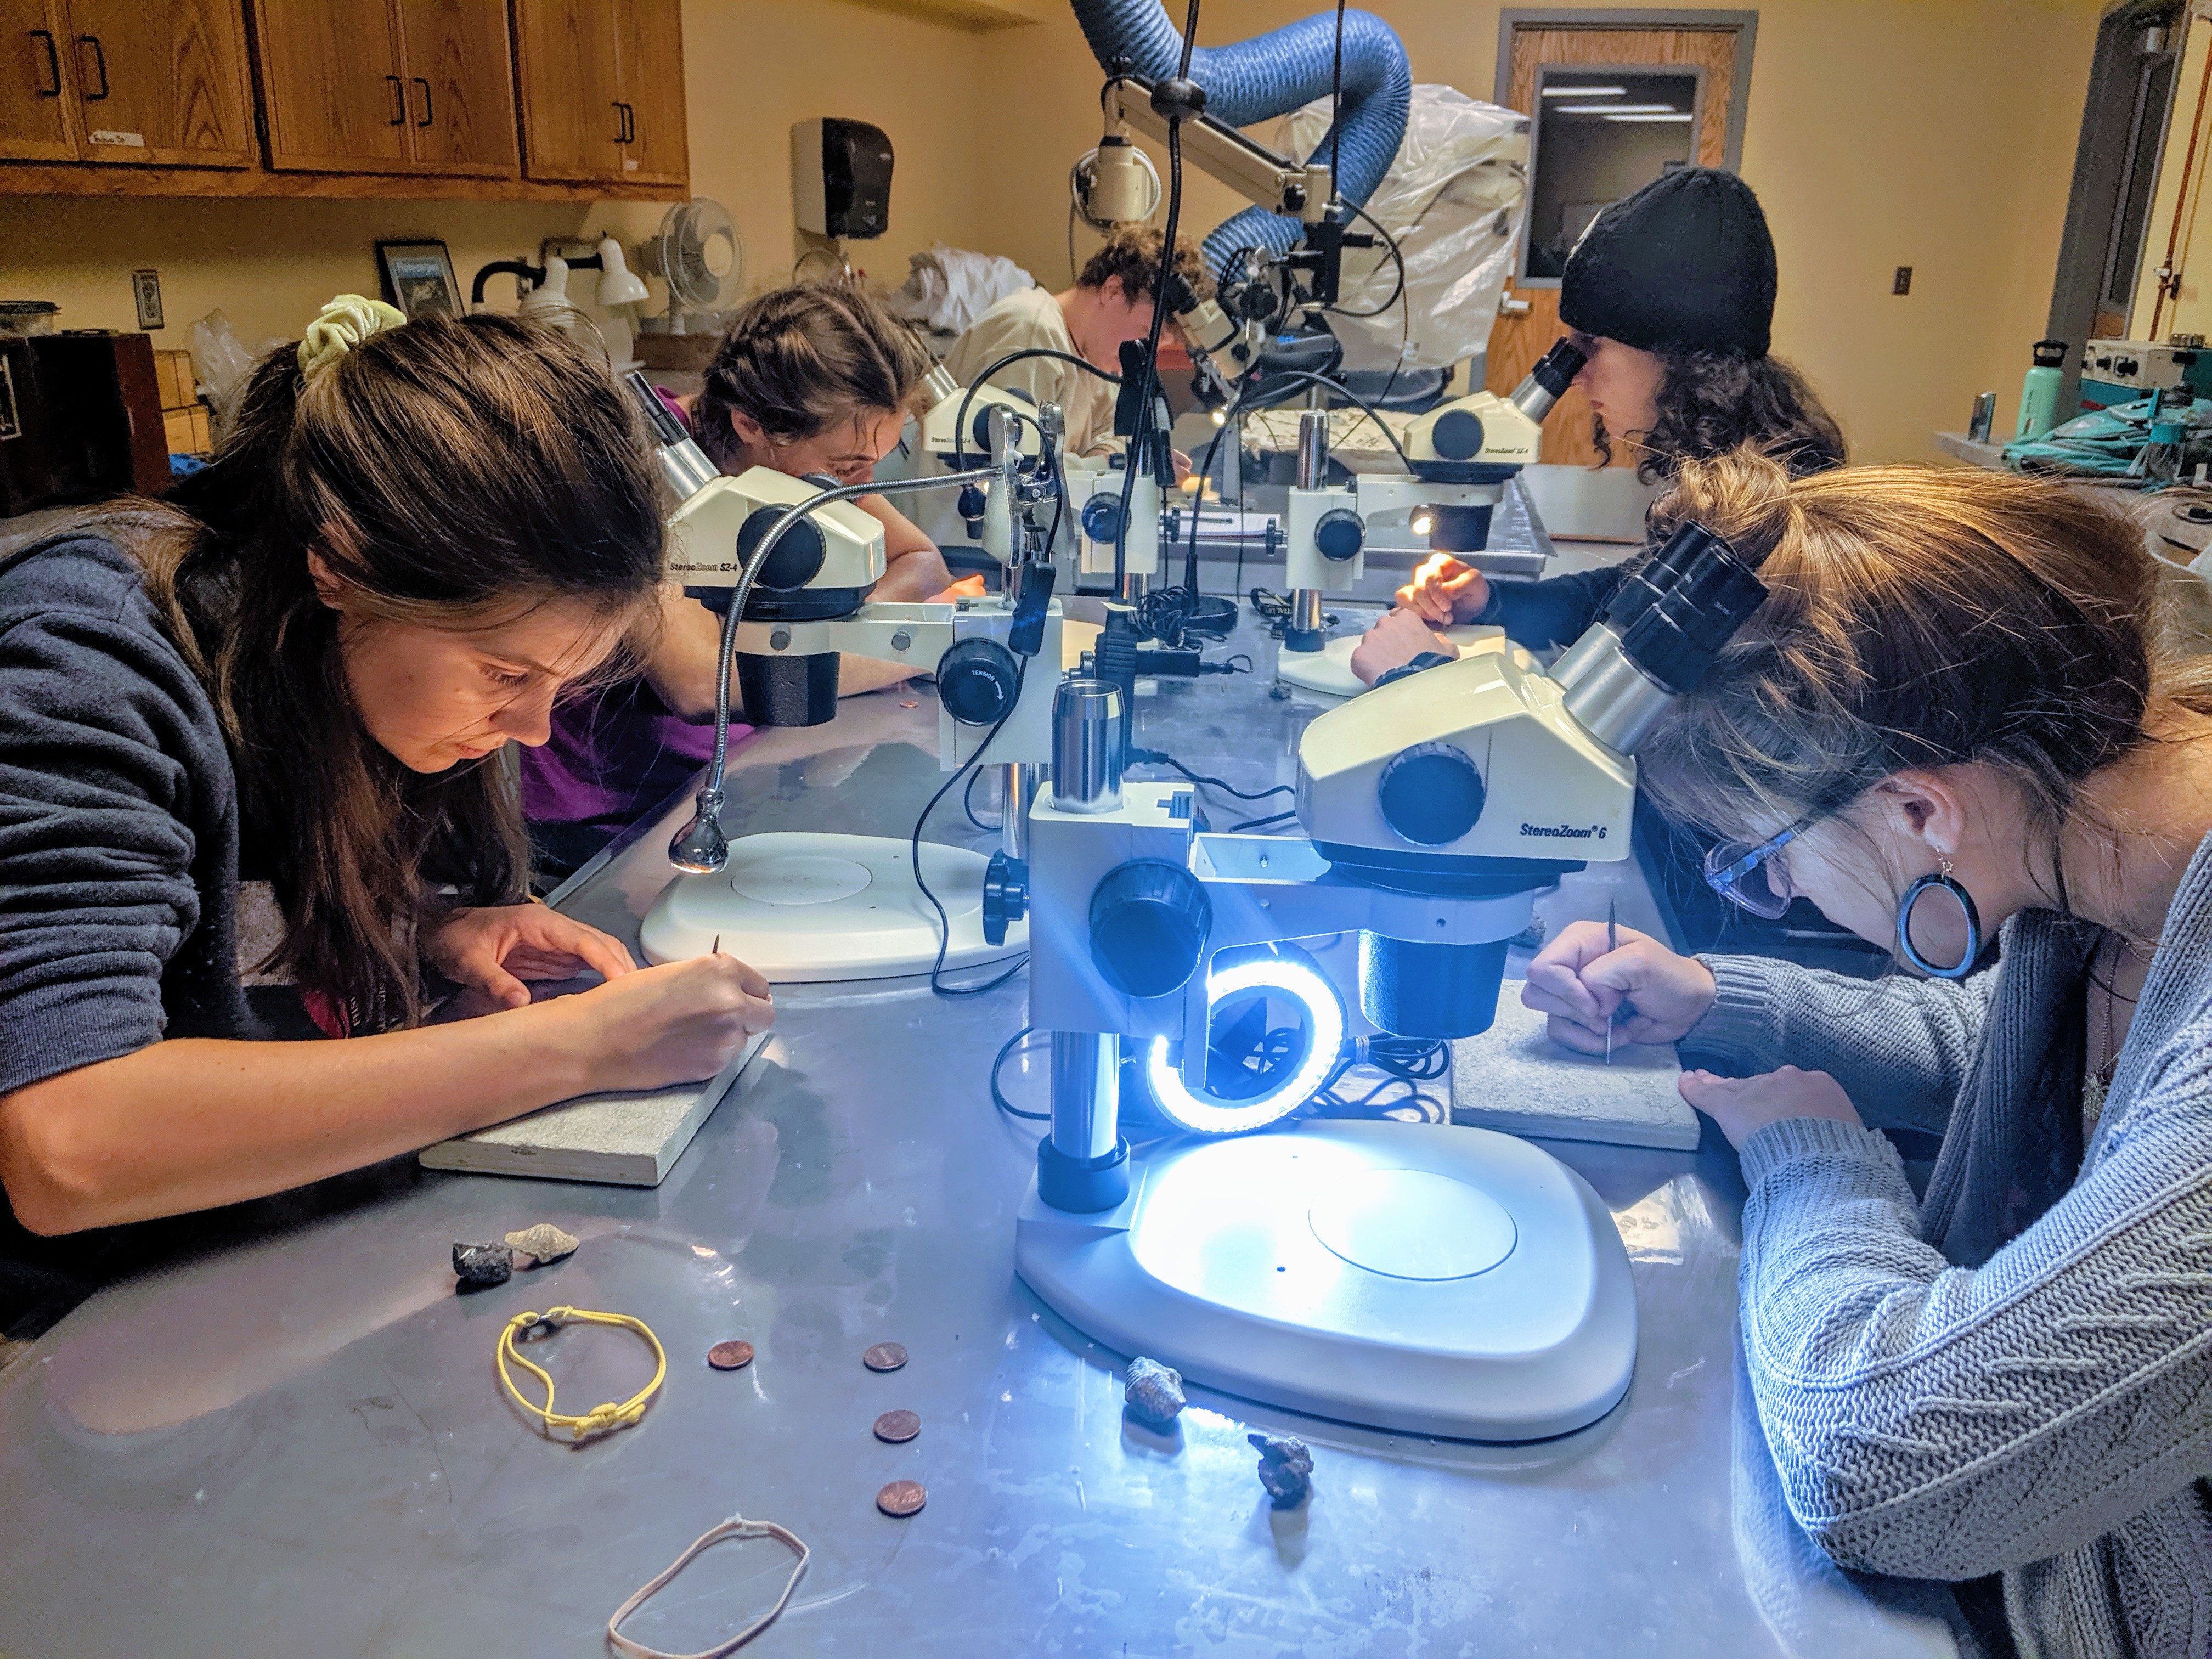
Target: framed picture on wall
[418, 278]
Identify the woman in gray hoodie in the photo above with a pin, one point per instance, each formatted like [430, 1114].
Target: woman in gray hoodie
[1949, 720]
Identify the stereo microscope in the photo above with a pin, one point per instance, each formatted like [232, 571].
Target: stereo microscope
[1423, 1278]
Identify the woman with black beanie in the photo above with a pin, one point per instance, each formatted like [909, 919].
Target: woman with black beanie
[1671, 293]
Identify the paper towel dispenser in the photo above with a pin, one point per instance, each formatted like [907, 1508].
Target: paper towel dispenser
[841, 177]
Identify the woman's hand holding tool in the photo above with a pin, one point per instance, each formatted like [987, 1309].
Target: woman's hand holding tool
[1581, 982]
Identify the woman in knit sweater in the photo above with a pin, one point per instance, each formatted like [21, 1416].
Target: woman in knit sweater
[1948, 718]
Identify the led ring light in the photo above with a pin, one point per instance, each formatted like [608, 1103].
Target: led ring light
[1207, 1114]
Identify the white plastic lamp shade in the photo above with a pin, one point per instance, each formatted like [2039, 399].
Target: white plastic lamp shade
[550, 301]
[1205, 1114]
[618, 284]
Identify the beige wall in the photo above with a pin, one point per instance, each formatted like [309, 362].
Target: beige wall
[1934, 133]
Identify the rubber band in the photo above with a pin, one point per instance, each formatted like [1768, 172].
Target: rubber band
[600, 1419]
[736, 1526]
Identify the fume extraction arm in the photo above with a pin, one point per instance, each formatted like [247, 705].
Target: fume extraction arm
[1268, 76]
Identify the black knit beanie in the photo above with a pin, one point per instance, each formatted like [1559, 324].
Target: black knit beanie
[1686, 262]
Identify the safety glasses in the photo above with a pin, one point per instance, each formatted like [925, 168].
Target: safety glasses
[1737, 871]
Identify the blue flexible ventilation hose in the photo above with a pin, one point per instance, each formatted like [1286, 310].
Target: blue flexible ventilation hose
[1272, 75]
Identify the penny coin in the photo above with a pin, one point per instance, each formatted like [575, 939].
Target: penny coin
[884, 1356]
[730, 1356]
[902, 1498]
[898, 1426]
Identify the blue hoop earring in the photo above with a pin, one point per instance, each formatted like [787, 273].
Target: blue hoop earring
[1941, 879]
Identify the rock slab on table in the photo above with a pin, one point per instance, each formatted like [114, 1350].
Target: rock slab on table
[1515, 1078]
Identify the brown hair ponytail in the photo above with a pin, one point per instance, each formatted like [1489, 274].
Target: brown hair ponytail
[453, 471]
[800, 360]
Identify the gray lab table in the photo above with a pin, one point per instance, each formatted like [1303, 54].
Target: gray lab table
[296, 1445]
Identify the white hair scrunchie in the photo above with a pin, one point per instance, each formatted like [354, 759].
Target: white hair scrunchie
[343, 323]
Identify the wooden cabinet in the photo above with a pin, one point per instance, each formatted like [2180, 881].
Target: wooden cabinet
[602, 86]
[401, 86]
[38, 107]
[460, 82]
[136, 83]
[650, 42]
[571, 100]
[565, 62]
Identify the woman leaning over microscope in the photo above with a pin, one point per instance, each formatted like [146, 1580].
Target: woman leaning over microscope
[1671, 294]
[1949, 718]
[810, 380]
[296, 670]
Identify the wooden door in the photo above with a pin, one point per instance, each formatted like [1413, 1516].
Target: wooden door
[1518, 340]
[38, 104]
[460, 87]
[651, 50]
[332, 87]
[162, 82]
[568, 79]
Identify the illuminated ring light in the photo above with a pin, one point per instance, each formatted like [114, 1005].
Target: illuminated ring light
[1208, 1116]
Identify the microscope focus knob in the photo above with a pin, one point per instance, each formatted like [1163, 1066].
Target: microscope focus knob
[978, 681]
[1430, 794]
[1149, 923]
[798, 553]
[1457, 435]
[1102, 518]
[1338, 534]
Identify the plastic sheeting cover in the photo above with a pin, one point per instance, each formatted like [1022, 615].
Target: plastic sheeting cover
[1453, 199]
[947, 289]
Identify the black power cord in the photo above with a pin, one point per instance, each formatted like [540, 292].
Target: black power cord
[999, 1065]
[960, 425]
[1161, 757]
[913, 843]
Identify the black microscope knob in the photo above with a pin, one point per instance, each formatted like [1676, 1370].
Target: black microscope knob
[978, 681]
[1338, 534]
[1430, 794]
[1457, 435]
[1149, 922]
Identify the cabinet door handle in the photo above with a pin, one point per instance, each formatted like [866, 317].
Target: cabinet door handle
[620, 126]
[46, 37]
[426, 116]
[99, 62]
[398, 102]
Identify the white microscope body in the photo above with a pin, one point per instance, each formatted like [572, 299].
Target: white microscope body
[817, 906]
[1421, 1278]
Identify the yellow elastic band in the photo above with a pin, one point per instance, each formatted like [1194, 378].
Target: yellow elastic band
[600, 1419]
[344, 323]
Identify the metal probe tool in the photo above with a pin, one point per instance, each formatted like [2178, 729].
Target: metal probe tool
[1611, 943]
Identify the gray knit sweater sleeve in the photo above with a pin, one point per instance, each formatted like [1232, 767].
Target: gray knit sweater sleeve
[1940, 1422]
[1900, 1046]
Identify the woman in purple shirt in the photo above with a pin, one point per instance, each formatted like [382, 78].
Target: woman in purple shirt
[807, 380]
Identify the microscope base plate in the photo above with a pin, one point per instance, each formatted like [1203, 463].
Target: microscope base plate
[808, 909]
[1422, 1278]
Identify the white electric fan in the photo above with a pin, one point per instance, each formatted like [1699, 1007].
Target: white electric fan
[699, 254]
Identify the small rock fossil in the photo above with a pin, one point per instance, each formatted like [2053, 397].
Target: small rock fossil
[1155, 1391]
[1285, 1467]
[534, 1247]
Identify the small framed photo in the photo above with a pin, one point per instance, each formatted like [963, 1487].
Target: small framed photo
[418, 278]
[146, 289]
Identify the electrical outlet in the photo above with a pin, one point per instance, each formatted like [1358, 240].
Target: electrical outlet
[146, 290]
[1902, 282]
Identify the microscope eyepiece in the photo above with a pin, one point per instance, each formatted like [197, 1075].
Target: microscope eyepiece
[1554, 373]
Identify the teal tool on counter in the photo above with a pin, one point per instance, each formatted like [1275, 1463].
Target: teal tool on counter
[2038, 390]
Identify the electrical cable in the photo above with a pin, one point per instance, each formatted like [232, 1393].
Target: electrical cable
[999, 1065]
[1161, 757]
[1391, 243]
[914, 842]
[960, 425]
[1261, 824]
[967, 805]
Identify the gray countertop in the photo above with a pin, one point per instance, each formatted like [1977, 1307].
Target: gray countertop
[297, 1444]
